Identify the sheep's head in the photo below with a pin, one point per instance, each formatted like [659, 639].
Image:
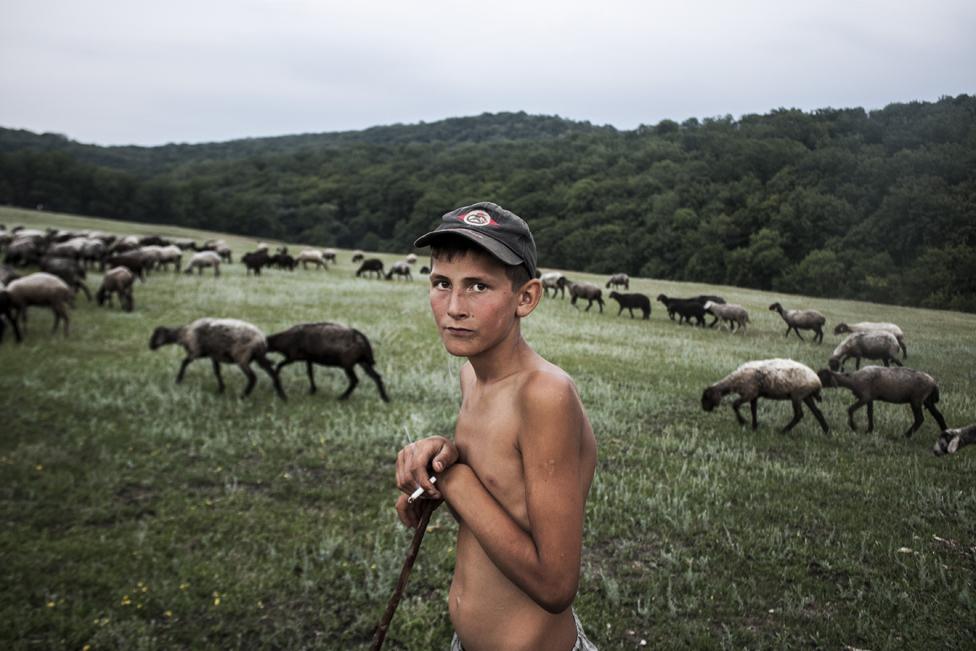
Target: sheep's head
[711, 397]
[708, 306]
[614, 295]
[834, 364]
[162, 336]
[775, 307]
[827, 379]
[841, 328]
[948, 443]
[662, 298]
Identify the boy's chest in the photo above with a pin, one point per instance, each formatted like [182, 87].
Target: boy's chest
[487, 440]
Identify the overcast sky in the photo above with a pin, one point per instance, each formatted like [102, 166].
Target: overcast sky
[134, 72]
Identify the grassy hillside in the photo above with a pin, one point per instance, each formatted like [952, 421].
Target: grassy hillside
[141, 514]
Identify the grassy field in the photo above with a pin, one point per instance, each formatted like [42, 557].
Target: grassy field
[138, 514]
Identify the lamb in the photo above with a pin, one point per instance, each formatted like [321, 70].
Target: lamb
[313, 256]
[23, 252]
[586, 290]
[328, 344]
[952, 439]
[92, 252]
[775, 379]
[44, 290]
[170, 255]
[686, 309]
[131, 260]
[630, 301]
[619, 279]
[735, 315]
[119, 281]
[400, 269]
[204, 259]
[555, 281]
[221, 248]
[869, 345]
[894, 385]
[282, 260]
[797, 320]
[254, 260]
[372, 265]
[867, 326]
[329, 255]
[224, 341]
[411, 258]
[424, 270]
[357, 256]
[68, 270]
[7, 310]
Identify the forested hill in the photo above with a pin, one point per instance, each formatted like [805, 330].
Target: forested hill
[877, 205]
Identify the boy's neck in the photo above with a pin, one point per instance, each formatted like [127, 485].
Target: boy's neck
[502, 360]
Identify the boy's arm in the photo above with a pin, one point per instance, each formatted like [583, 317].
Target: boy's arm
[543, 562]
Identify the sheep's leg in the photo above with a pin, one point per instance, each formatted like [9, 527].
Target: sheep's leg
[353, 381]
[797, 331]
[788, 328]
[265, 365]
[57, 319]
[797, 416]
[600, 303]
[216, 370]
[919, 419]
[311, 377]
[850, 413]
[870, 416]
[735, 407]
[904, 349]
[894, 360]
[589, 305]
[816, 413]
[63, 311]
[752, 408]
[186, 362]
[370, 371]
[251, 378]
[936, 414]
[714, 321]
[819, 336]
[83, 287]
[18, 337]
[621, 311]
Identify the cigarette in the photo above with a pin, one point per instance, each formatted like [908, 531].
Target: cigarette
[420, 491]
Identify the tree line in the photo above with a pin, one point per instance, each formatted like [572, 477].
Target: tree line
[841, 203]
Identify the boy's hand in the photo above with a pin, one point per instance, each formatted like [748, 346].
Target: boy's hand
[415, 461]
[409, 512]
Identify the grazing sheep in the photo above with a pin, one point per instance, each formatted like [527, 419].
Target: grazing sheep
[221, 248]
[68, 270]
[153, 240]
[124, 244]
[952, 439]
[254, 260]
[586, 290]
[204, 259]
[43, 290]
[619, 279]
[7, 311]
[7, 274]
[867, 326]
[735, 315]
[313, 256]
[424, 270]
[797, 320]
[262, 246]
[23, 252]
[631, 301]
[894, 385]
[775, 379]
[358, 256]
[131, 260]
[117, 280]
[372, 265]
[868, 345]
[328, 344]
[411, 258]
[282, 260]
[170, 255]
[329, 255]
[704, 298]
[686, 309]
[93, 251]
[224, 341]
[399, 269]
[555, 281]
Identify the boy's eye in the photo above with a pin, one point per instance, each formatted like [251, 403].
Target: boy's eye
[479, 287]
[441, 284]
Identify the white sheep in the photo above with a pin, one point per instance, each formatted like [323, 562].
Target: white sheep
[313, 256]
[203, 259]
[735, 315]
[952, 439]
[411, 258]
[797, 320]
[224, 341]
[117, 280]
[775, 379]
[43, 290]
[555, 281]
[868, 326]
[866, 345]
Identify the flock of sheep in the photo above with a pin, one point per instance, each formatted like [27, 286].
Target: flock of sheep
[63, 258]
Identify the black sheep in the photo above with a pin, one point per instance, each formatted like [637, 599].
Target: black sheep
[132, 260]
[6, 310]
[328, 344]
[282, 260]
[372, 265]
[631, 301]
[686, 308]
[254, 260]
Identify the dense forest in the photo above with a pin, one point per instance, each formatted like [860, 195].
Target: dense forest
[877, 205]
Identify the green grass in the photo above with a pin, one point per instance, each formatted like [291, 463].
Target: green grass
[138, 514]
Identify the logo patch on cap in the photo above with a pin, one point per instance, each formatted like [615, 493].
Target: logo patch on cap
[477, 218]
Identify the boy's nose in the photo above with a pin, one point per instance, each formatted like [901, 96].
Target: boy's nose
[457, 306]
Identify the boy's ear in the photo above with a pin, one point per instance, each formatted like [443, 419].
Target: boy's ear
[529, 296]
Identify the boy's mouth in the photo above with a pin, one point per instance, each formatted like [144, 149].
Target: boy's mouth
[458, 332]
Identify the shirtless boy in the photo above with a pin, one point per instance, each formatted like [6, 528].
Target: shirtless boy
[518, 471]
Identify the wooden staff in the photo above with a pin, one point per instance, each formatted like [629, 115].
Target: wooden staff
[418, 535]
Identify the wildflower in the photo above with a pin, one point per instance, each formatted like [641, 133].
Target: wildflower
[39, 467]
[168, 614]
[184, 586]
[51, 604]
[126, 601]
[216, 598]
[87, 647]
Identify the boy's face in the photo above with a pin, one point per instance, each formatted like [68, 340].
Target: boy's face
[473, 302]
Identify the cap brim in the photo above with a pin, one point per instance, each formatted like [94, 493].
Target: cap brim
[490, 244]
